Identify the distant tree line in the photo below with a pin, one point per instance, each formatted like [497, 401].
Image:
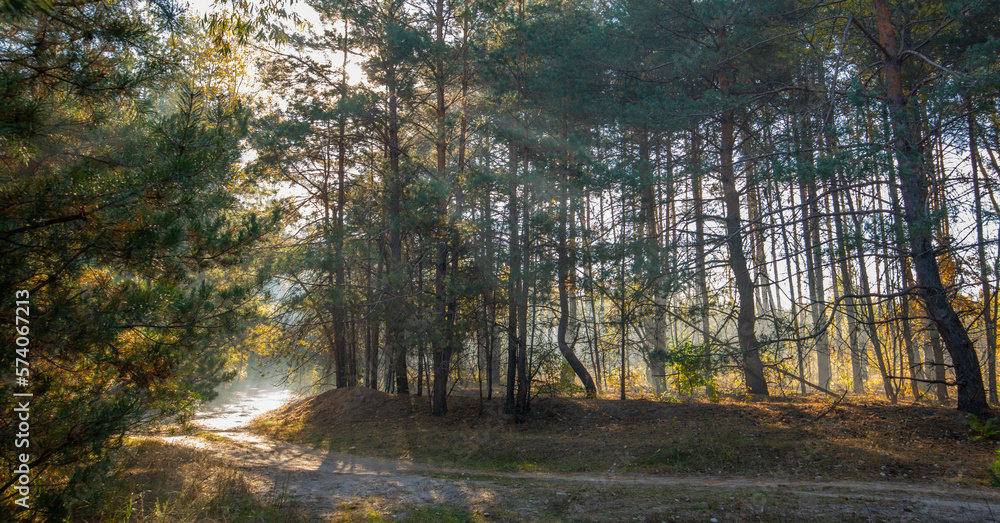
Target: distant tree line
[800, 192]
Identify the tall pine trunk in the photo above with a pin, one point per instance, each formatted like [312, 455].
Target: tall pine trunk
[564, 277]
[701, 274]
[870, 320]
[441, 350]
[914, 185]
[655, 326]
[340, 297]
[987, 297]
[395, 336]
[858, 362]
[753, 367]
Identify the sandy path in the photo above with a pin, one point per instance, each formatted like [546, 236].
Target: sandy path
[324, 483]
[323, 480]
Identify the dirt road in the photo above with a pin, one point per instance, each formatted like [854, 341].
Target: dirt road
[331, 485]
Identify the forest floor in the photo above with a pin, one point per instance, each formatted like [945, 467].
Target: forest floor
[361, 455]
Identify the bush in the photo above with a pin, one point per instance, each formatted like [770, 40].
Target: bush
[692, 366]
[994, 471]
[983, 430]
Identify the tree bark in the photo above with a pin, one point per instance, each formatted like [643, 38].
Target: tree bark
[441, 351]
[513, 284]
[564, 277]
[794, 291]
[753, 367]
[870, 320]
[857, 357]
[987, 297]
[523, 399]
[701, 274]
[340, 312]
[824, 375]
[655, 326]
[395, 336]
[914, 186]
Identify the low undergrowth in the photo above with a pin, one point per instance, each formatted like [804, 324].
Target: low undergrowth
[160, 483]
[779, 437]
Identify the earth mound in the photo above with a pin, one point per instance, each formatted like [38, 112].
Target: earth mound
[776, 437]
[342, 406]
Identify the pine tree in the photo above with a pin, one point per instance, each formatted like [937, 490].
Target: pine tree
[124, 224]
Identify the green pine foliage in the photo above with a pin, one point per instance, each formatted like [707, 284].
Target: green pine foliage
[994, 470]
[692, 368]
[123, 219]
[983, 429]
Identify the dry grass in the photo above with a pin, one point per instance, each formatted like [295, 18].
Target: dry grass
[164, 483]
[773, 437]
[372, 511]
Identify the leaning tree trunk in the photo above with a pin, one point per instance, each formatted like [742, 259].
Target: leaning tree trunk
[563, 275]
[753, 367]
[914, 184]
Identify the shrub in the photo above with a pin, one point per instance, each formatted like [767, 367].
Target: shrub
[692, 366]
[982, 429]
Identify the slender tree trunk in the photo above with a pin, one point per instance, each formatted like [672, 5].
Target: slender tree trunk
[340, 313]
[701, 274]
[987, 297]
[857, 357]
[420, 371]
[824, 375]
[441, 352]
[517, 403]
[523, 399]
[656, 327]
[622, 304]
[870, 321]
[813, 253]
[374, 327]
[489, 290]
[916, 369]
[354, 375]
[395, 337]
[755, 216]
[595, 328]
[795, 291]
[937, 357]
[753, 367]
[513, 284]
[563, 275]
